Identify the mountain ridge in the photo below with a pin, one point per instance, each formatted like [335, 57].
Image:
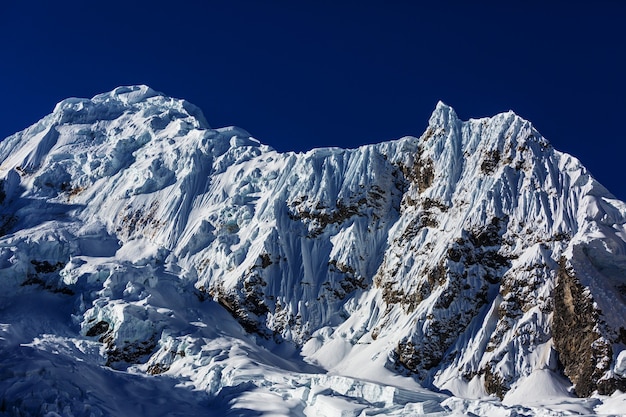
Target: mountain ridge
[472, 258]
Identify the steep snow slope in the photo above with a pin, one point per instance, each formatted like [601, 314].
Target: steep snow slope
[475, 259]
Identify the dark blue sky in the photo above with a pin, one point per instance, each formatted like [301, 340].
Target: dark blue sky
[304, 74]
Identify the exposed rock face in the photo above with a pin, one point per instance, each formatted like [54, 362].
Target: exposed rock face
[586, 354]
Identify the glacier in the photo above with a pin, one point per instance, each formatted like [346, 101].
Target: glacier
[153, 265]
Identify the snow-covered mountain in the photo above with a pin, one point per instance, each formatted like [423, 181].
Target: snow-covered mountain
[152, 265]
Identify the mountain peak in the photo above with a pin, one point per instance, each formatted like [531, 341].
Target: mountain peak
[124, 95]
[128, 94]
[475, 259]
[126, 99]
[442, 116]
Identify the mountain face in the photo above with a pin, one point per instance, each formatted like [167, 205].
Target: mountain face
[475, 259]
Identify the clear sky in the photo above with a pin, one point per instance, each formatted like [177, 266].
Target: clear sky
[304, 74]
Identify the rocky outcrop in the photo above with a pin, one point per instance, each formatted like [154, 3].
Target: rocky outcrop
[580, 337]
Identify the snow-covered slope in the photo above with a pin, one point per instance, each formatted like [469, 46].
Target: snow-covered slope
[146, 255]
